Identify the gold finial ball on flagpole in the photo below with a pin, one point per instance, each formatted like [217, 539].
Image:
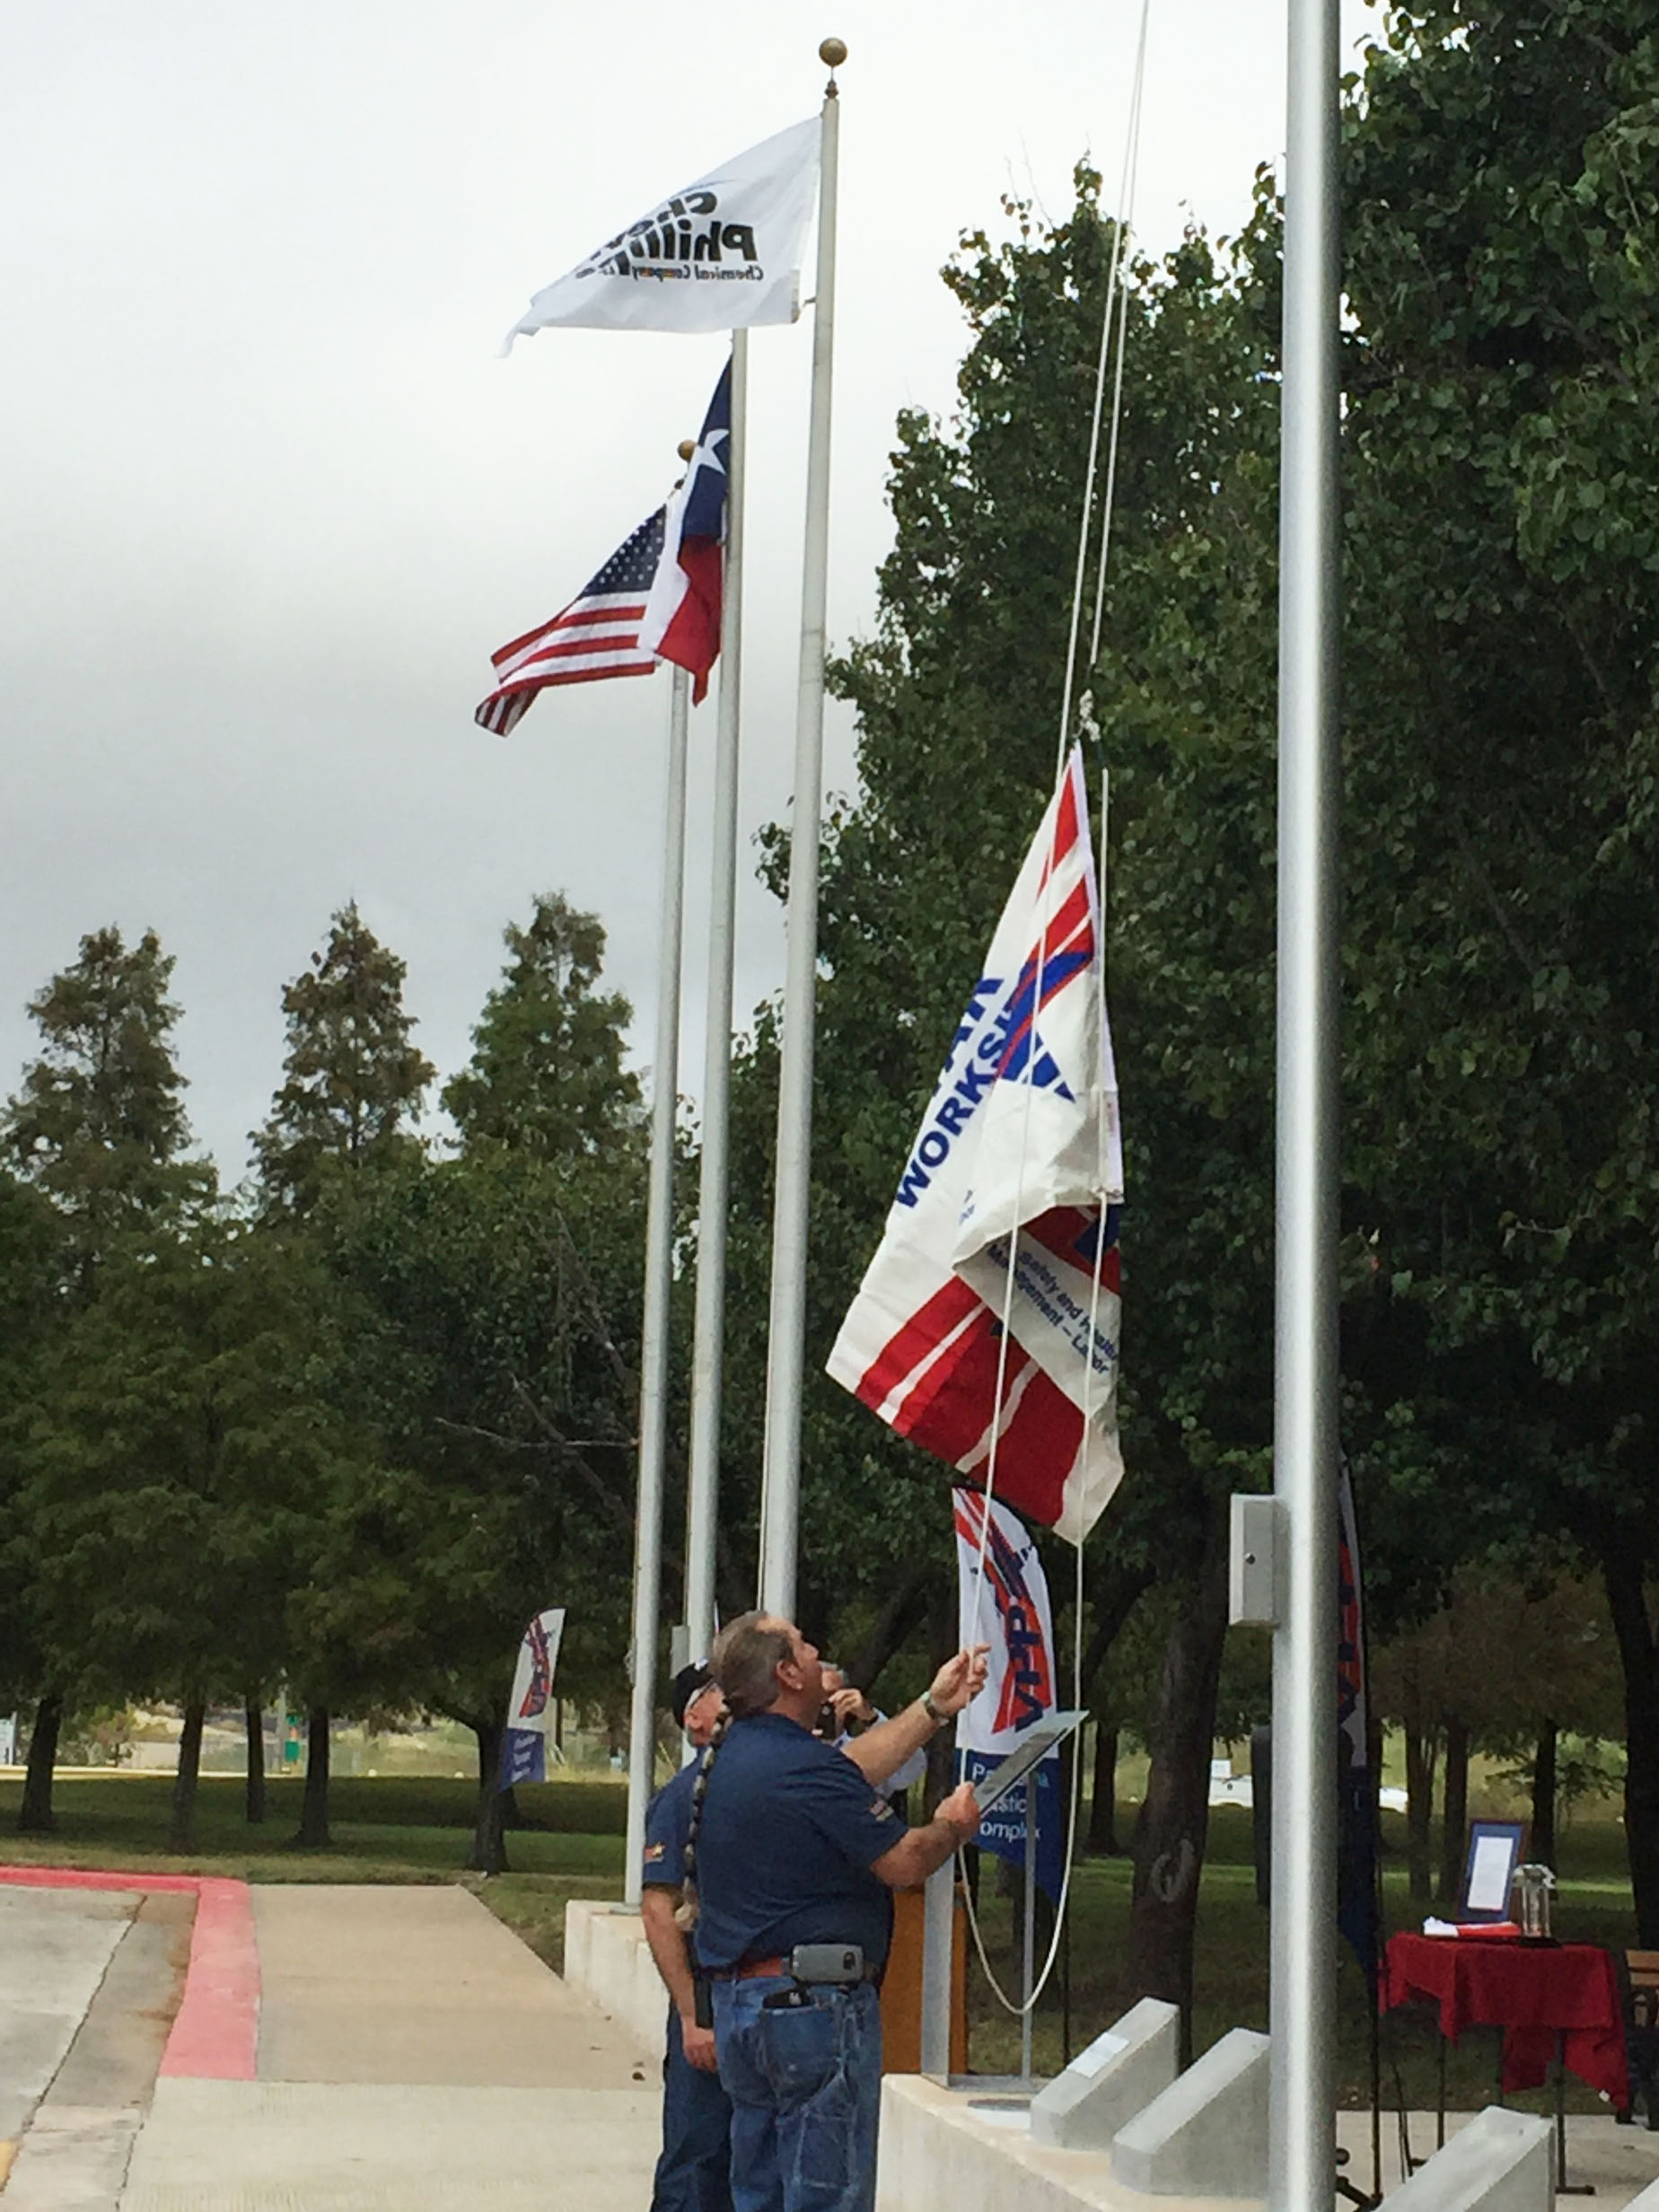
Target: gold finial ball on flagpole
[688, 446]
[833, 51]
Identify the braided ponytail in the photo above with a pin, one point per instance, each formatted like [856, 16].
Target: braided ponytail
[686, 1911]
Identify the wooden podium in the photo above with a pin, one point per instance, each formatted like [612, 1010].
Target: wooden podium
[901, 1987]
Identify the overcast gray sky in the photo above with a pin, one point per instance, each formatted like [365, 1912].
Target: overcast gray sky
[270, 499]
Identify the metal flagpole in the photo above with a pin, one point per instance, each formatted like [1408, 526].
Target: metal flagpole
[786, 1324]
[1029, 1940]
[659, 1283]
[1301, 2164]
[703, 1496]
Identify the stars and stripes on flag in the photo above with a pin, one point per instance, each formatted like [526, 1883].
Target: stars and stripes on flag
[683, 615]
[596, 635]
[1006, 1213]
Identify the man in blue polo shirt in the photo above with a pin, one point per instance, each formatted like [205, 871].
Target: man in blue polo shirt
[693, 2173]
[793, 1857]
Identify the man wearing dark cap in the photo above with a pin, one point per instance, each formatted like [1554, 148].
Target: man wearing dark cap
[693, 2173]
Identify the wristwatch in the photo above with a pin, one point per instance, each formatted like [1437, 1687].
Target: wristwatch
[932, 1710]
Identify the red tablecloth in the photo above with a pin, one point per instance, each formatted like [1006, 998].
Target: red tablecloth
[1536, 1992]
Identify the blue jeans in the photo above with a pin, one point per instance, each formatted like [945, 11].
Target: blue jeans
[694, 2173]
[805, 2083]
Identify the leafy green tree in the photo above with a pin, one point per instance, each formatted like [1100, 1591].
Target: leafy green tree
[97, 1128]
[172, 1451]
[99, 1123]
[1503, 227]
[353, 1078]
[484, 1300]
[547, 1074]
[353, 1081]
[32, 1269]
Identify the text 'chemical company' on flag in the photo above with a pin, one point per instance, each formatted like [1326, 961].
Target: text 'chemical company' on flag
[722, 254]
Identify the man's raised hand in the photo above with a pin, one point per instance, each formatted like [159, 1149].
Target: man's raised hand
[960, 1681]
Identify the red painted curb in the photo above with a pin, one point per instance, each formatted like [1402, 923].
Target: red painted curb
[215, 2032]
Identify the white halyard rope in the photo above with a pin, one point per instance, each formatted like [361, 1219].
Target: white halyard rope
[1117, 297]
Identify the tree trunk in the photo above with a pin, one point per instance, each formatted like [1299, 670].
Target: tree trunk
[253, 1803]
[313, 1830]
[1170, 1831]
[1621, 1570]
[181, 1830]
[1454, 1833]
[1541, 1849]
[36, 1816]
[489, 1854]
[1422, 1747]
[1104, 1801]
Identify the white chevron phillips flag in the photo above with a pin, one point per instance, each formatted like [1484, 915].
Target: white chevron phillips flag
[722, 254]
[1022, 1133]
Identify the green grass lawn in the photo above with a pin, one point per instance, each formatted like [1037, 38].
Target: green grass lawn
[408, 1828]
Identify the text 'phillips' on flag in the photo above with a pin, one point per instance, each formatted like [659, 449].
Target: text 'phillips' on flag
[596, 635]
[1020, 1145]
[683, 615]
[722, 254]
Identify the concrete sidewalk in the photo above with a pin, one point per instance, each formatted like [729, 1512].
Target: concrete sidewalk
[414, 2054]
[90, 1981]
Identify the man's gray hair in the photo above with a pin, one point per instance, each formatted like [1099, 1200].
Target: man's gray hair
[747, 1654]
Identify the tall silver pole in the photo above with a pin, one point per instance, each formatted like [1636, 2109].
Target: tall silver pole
[703, 1498]
[1028, 1960]
[1302, 2167]
[659, 1285]
[787, 1328]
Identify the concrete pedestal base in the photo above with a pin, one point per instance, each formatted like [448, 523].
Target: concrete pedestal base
[1106, 2086]
[608, 1961]
[971, 2149]
[1502, 2161]
[1207, 2133]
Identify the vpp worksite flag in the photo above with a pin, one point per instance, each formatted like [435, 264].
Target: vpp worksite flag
[596, 635]
[722, 254]
[681, 621]
[529, 1709]
[1019, 1148]
[1007, 1608]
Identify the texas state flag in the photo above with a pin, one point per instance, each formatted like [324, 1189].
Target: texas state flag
[682, 614]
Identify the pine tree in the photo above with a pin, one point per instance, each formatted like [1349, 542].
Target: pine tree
[546, 1075]
[98, 1124]
[353, 1079]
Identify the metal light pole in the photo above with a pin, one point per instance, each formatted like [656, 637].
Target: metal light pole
[654, 1363]
[785, 1363]
[1302, 2167]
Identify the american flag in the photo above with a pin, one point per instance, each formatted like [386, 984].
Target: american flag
[597, 634]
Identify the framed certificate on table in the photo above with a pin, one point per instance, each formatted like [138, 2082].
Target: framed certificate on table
[1494, 1851]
